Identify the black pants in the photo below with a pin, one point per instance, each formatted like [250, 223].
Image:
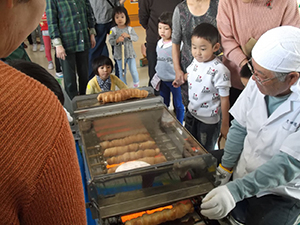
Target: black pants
[267, 210]
[206, 134]
[233, 95]
[57, 64]
[29, 38]
[75, 62]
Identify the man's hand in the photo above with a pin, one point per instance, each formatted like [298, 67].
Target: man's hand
[179, 79]
[93, 40]
[60, 52]
[217, 203]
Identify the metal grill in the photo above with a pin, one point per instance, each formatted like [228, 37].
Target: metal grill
[117, 194]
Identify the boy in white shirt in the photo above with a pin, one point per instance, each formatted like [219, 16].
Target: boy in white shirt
[209, 84]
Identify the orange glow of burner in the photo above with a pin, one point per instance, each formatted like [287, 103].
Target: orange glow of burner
[139, 214]
[113, 165]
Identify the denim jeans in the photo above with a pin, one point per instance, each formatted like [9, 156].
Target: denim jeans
[152, 59]
[165, 89]
[132, 68]
[33, 35]
[205, 134]
[77, 61]
[101, 47]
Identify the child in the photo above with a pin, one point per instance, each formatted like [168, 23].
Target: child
[164, 66]
[40, 74]
[34, 41]
[47, 40]
[124, 34]
[209, 84]
[103, 79]
[47, 43]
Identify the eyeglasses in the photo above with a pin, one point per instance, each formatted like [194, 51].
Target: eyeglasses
[261, 82]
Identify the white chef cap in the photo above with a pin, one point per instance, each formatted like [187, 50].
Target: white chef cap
[278, 50]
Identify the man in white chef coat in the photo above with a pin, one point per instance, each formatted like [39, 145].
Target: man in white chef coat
[262, 150]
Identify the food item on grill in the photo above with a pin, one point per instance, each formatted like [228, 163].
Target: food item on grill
[130, 156]
[119, 150]
[178, 211]
[121, 95]
[124, 134]
[125, 141]
[154, 160]
[112, 170]
[131, 165]
[147, 144]
[114, 151]
[150, 160]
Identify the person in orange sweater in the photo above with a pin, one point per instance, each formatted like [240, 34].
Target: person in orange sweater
[241, 23]
[40, 177]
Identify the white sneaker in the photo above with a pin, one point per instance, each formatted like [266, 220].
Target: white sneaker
[50, 66]
[42, 48]
[59, 75]
[34, 47]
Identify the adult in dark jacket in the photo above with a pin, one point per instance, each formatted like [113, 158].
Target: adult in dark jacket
[72, 41]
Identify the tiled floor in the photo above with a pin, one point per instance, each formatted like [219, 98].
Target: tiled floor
[40, 58]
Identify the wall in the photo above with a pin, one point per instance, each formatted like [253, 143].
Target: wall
[133, 11]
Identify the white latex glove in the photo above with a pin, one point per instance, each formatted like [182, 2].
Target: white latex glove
[222, 175]
[217, 203]
[70, 118]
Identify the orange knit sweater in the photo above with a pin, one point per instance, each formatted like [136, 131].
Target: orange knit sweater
[40, 179]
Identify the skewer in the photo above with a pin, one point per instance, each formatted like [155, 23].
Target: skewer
[123, 60]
